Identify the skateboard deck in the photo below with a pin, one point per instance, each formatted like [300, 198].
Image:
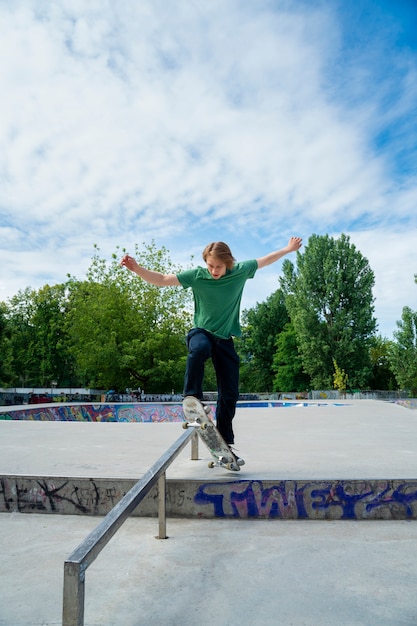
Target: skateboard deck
[196, 415]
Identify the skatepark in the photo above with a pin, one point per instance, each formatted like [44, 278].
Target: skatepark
[317, 528]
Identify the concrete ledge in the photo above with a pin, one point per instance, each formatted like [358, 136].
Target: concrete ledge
[238, 499]
[354, 461]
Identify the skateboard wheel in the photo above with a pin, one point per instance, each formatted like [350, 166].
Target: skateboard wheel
[207, 409]
[211, 464]
[203, 426]
[185, 425]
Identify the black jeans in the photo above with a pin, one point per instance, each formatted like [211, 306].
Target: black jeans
[202, 345]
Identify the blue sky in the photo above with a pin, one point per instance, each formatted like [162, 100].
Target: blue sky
[186, 122]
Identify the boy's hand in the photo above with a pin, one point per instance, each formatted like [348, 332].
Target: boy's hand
[129, 262]
[294, 243]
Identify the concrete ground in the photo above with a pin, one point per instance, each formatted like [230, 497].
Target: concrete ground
[359, 439]
[214, 572]
[263, 572]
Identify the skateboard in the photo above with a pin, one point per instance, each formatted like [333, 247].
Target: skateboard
[197, 416]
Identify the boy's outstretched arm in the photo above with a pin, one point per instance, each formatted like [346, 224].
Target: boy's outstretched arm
[155, 278]
[294, 244]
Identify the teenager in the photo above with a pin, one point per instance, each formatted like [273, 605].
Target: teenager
[217, 289]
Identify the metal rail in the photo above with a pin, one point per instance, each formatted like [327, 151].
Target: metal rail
[82, 557]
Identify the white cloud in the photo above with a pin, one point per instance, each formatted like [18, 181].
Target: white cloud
[185, 122]
[392, 257]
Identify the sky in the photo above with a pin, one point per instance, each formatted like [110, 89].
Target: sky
[190, 121]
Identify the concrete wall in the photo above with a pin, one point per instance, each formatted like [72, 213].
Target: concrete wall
[245, 499]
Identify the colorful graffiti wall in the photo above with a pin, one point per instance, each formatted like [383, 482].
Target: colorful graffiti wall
[133, 412]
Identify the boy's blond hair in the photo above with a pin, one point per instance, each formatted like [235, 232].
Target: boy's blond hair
[220, 251]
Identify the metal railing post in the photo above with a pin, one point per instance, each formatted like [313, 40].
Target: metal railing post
[194, 447]
[162, 516]
[74, 593]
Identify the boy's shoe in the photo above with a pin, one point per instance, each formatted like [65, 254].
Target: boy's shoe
[239, 460]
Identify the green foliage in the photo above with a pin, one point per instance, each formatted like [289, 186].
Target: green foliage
[210, 381]
[36, 351]
[19, 330]
[110, 330]
[113, 330]
[4, 344]
[125, 332]
[287, 363]
[340, 378]
[382, 375]
[403, 353]
[256, 348]
[330, 302]
[49, 349]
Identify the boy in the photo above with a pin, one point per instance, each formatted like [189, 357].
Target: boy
[217, 291]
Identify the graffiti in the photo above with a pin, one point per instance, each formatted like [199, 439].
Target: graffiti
[409, 403]
[61, 495]
[98, 413]
[244, 499]
[132, 412]
[151, 413]
[82, 496]
[338, 500]
[325, 394]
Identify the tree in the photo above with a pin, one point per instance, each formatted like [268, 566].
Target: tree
[126, 332]
[21, 368]
[340, 378]
[287, 363]
[403, 351]
[37, 346]
[110, 330]
[330, 303]
[49, 346]
[256, 348]
[4, 344]
[382, 375]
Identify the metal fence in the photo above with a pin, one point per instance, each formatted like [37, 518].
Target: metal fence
[360, 394]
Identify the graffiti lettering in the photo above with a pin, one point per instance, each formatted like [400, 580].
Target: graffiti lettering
[244, 499]
[344, 500]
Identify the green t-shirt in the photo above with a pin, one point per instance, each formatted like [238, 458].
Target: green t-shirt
[217, 301]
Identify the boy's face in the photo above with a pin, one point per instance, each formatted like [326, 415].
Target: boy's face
[216, 267]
